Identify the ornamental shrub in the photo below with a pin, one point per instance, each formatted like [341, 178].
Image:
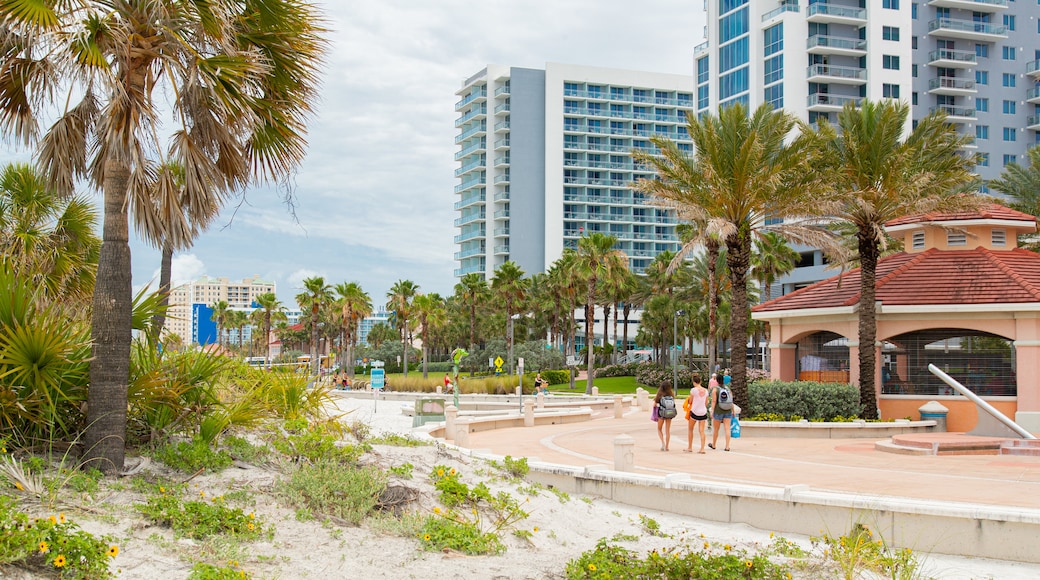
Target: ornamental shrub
[811, 400]
[651, 376]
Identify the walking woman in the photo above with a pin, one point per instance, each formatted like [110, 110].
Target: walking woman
[721, 412]
[696, 407]
[664, 403]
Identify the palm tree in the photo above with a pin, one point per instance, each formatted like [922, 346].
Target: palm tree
[381, 333]
[271, 309]
[220, 316]
[471, 289]
[511, 288]
[1022, 183]
[429, 308]
[45, 238]
[773, 257]
[316, 296]
[595, 259]
[355, 304]
[878, 175]
[399, 299]
[242, 77]
[238, 319]
[747, 168]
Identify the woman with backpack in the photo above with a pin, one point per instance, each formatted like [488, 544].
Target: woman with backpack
[721, 412]
[664, 409]
[696, 407]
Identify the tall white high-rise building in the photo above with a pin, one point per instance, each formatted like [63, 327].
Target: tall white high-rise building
[978, 60]
[545, 156]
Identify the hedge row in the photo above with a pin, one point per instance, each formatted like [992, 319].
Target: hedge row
[804, 399]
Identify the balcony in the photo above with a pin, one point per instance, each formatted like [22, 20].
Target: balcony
[1033, 122]
[477, 268]
[955, 114]
[470, 199]
[502, 195]
[502, 160]
[470, 184]
[973, 5]
[469, 253]
[501, 232]
[502, 90]
[504, 178]
[845, 75]
[1033, 69]
[824, 102]
[837, 45]
[500, 109]
[951, 86]
[1033, 96]
[785, 7]
[947, 58]
[966, 29]
[502, 214]
[476, 164]
[475, 96]
[469, 236]
[474, 113]
[468, 219]
[501, 249]
[830, 14]
[502, 143]
[502, 126]
[471, 148]
[480, 128]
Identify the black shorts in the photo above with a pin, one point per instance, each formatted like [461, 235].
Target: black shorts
[703, 417]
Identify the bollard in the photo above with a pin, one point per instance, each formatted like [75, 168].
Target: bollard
[624, 453]
[595, 391]
[541, 400]
[934, 411]
[450, 413]
[528, 413]
[619, 412]
[519, 390]
[641, 399]
[462, 433]
[440, 390]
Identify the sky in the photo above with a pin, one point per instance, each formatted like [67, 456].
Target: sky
[373, 201]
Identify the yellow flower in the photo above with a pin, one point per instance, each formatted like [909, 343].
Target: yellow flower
[440, 473]
[202, 493]
[452, 472]
[770, 535]
[53, 520]
[162, 489]
[702, 536]
[706, 545]
[251, 516]
[474, 511]
[748, 564]
[59, 562]
[536, 528]
[592, 567]
[61, 518]
[43, 548]
[436, 510]
[251, 526]
[113, 551]
[426, 538]
[728, 547]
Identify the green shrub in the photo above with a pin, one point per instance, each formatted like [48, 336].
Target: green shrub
[329, 488]
[200, 519]
[557, 377]
[712, 562]
[203, 571]
[52, 546]
[315, 443]
[815, 401]
[651, 376]
[622, 370]
[191, 456]
[455, 532]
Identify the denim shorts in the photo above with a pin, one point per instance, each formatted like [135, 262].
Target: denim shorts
[723, 415]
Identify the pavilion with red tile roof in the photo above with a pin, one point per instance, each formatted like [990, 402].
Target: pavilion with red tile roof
[961, 294]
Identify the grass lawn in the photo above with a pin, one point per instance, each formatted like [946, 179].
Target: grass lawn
[606, 386]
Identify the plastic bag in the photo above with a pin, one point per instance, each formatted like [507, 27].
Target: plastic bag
[734, 428]
[653, 414]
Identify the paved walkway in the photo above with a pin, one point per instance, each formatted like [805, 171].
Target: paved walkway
[843, 465]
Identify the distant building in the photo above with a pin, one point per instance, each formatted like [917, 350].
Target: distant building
[190, 314]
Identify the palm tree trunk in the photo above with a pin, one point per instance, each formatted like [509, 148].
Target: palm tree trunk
[590, 320]
[868, 258]
[617, 347]
[473, 324]
[425, 351]
[104, 438]
[267, 339]
[404, 344]
[606, 326]
[713, 304]
[738, 258]
[624, 337]
[165, 274]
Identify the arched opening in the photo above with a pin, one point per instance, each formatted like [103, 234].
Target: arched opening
[983, 362]
[823, 356]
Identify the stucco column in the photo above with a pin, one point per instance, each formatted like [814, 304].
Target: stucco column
[1027, 375]
[854, 361]
[783, 365]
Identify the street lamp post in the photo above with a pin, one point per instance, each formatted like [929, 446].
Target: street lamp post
[675, 347]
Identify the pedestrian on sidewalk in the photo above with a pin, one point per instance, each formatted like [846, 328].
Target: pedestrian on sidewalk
[721, 411]
[696, 413]
[664, 402]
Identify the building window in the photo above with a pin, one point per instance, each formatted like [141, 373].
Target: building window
[1010, 135]
[982, 50]
[913, 10]
[913, 42]
[956, 239]
[890, 62]
[982, 77]
[1010, 107]
[913, 98]
[998, 237]
[1007, 52]
[982, 160]
[1009, 159]
[774, 95]
[1009, 21]
[773, 39]
[890, 91]
[774, 69]
[890, 4]
[1008, 79]
[918, 240]
[982, 131]
[890, 33]
[982, 104]
[702, 70]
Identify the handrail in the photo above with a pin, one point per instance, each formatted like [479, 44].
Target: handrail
[982, 404]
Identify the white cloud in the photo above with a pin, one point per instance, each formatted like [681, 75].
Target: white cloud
[185, 268]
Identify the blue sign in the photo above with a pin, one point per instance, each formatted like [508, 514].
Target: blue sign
[378, 378]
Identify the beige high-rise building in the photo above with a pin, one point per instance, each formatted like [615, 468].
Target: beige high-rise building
[206, 290]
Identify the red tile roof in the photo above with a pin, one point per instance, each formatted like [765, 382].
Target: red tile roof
[978, 276]
[992, 211]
